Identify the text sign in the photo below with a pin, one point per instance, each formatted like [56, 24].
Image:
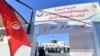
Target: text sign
[76, 11]
[62, 28]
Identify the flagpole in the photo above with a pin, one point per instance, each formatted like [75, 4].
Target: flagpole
[34, 42]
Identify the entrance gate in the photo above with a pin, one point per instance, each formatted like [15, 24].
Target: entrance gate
[81, 40]
[75, 20]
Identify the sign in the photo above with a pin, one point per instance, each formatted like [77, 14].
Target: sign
[68, 12]
[64, 27]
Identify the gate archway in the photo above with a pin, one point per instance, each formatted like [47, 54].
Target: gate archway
[78, 24]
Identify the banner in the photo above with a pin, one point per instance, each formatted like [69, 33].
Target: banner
[69, 12]
[63, 27]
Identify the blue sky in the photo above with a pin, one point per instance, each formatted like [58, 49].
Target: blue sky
[41, 4]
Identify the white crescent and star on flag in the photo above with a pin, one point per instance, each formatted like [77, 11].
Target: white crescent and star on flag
[15, 25]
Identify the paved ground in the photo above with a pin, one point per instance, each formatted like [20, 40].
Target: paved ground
[57, 54]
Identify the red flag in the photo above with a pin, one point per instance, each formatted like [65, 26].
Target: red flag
[13, 28]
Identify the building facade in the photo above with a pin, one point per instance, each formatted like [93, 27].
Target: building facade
[55, 46]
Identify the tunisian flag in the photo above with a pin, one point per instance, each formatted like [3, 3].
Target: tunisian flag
[14, 30]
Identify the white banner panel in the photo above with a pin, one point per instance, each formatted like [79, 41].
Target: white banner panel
[76, 11]
[64, 27]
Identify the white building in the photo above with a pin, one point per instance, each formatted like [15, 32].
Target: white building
[55, 46]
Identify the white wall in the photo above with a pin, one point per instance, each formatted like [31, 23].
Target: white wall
[4, 48]
[81, 44]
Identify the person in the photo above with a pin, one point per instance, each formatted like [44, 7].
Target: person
[36, 51]
[41, 51]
